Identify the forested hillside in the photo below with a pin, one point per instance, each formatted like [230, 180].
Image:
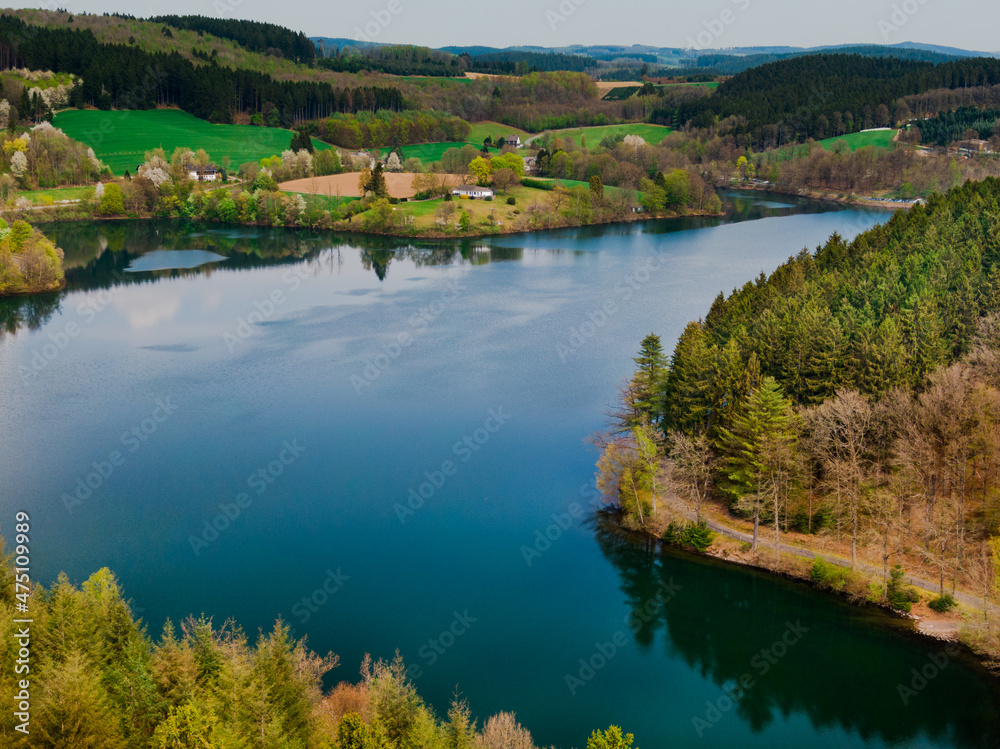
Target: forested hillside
[822, 95]
[724, 64]
[396, 59]
[880, 312]
[854, 393]
[126, 77]
[267, 38]
[950, 126]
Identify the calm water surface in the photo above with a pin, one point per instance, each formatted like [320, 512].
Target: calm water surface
[400, 423]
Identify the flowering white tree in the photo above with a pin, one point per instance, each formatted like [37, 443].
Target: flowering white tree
[303, 164]
[155, 169]
[288, 161]
[18, 164]
[392, 164]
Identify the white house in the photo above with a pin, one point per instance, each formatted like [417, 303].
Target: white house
[472, 192]
[203, 174]
[512, 140]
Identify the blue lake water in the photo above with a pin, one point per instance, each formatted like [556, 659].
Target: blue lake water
[371, 439]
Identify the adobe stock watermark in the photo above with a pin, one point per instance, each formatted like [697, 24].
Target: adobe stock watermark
[259, 481]
[432, 650]
[562, 12]
[306, 606]
[543, 538]
[936, 663]
[131, 440]
[463, 449]
[604, 652]
[900, 16]
[580, 335]
[716, 27]
[762, 662]
[264, 309]
[419, 322]
[225, 8]
[380, 21]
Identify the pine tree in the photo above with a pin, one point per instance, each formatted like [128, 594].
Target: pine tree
[461, 728]
[759, 453]
[377, 184]
[74, 710]
[354, 733]
[688, 381]
[613, 738]
[647, 383]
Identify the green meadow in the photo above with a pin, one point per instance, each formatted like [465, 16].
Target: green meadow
[652, 134]
[121, 138]
[877, 138]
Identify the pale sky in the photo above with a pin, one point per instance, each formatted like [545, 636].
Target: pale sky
[969, 24]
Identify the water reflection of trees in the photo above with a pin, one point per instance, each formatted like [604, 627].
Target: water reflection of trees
[29, 312]
[98, 254]
[844, 672]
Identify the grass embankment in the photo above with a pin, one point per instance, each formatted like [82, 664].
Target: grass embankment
[652, 134]
[428, 153]
[571, 183]
[493, 129]
[877, 138]
[57, 194]
[854, 141]
[121, 138]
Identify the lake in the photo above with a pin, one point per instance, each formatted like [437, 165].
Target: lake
[384, 443]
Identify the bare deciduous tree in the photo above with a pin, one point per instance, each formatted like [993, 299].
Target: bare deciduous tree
[502, 731]
[692, 466]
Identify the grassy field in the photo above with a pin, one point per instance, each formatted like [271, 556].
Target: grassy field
[424, 212]
[493, 129]
[430, 152]
[579, 183]
[120, 138]
[59, 193]
[877, 138]
[652, 134]
[703, 84]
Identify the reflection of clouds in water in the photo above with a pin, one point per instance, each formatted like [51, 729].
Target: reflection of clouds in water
[179, 348]
[143, 314]
[211, 299]
[173, 259]
[519, 312]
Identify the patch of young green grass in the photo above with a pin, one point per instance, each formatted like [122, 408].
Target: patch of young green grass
[121, 138]
[877, 138]
[652, 134]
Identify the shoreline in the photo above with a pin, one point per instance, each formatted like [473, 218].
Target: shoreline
[70, 212]
[929, 626]
[829, 196]
[51, 214]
